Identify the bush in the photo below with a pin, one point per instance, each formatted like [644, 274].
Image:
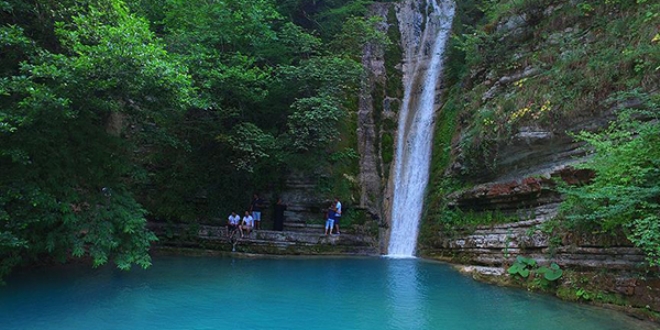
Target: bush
[625, 193]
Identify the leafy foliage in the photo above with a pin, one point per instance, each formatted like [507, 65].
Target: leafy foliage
[522, 266]
[268, 92]
[533, 63]
[112, 111]
[625, 194]
[551, 273]
[313, 124]
[542, 276]
[66, 171]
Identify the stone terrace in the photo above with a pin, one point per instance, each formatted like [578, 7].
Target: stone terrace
[307, 240]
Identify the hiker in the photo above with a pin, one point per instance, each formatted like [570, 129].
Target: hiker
[233, 223]
[278, 219]
[247, 223]
[337, 214]
[255, 210]
[329, 219]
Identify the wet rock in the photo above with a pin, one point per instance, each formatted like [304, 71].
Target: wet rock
[647, 293]
[490, 93]
[555, 38]
[551, 9]
[512, 23]
[625, 286]
[527, 72]
[480, 270]
[532, 135]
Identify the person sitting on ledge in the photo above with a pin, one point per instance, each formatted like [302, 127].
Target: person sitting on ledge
[233, 223]
[248, 223]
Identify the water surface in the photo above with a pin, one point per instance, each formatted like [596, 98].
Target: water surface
[282, 293]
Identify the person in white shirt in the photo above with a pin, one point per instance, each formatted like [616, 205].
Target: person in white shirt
[233, 223]
[248, 222]
[337, 214]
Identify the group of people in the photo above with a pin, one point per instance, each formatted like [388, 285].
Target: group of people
[235, 223]
[333, 215]
[251, 220]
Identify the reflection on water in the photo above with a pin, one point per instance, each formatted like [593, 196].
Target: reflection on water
[282, 293]
[404, 294]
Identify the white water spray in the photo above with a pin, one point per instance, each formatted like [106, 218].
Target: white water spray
[423, 68]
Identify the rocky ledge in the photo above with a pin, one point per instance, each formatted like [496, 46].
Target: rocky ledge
[264, 241]
[606, 263]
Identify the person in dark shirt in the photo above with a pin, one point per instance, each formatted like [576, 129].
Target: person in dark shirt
[278, 223]
[329, 219]
[255, 210]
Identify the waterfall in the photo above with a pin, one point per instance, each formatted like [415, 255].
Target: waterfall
[422, 71]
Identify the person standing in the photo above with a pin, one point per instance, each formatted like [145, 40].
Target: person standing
[337, 209]
[247, 223]
[278, 223]
[233, 223]
[255, 209]
[329, 219]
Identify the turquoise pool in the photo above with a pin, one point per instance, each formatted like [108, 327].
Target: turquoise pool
[282, 293]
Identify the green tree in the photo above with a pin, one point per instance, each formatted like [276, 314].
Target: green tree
[228, 133]
[267, 89]
[78, 104]
[324, 85]
[111, 111]
[327, 17]
[625, 193]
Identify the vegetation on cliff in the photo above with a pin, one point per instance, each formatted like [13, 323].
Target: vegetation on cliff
[625, 192]
[544, 65]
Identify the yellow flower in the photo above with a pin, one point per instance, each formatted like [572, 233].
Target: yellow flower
[546, 106]
[656, 38]
[519, 113]
[520, 82]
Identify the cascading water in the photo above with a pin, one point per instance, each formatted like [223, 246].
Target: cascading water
[422, 71]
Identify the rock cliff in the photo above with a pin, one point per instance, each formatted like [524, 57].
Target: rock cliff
[527, 87]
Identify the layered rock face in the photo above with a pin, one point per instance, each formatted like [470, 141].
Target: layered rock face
[517, 178]
[611, 263]
[516, 171]
[305, 203]
[369, 132]
[534, 201]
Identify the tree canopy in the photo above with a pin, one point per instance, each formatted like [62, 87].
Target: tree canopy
[114, 111]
